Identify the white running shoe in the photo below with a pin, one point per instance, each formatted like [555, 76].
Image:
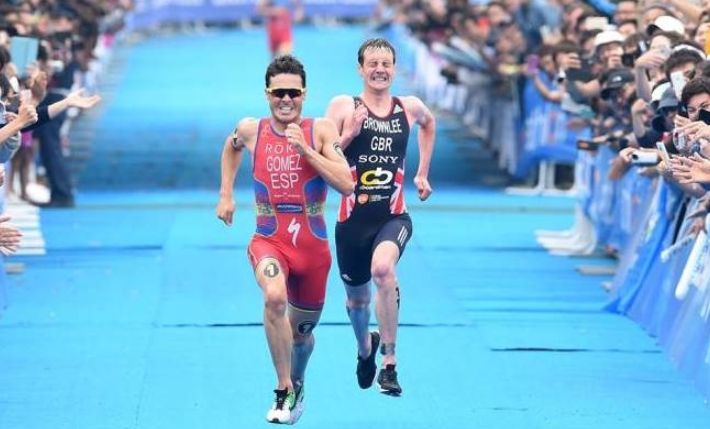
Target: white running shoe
[280, 412]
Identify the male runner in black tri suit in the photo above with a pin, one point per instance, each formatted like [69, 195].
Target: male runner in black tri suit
[373, 224]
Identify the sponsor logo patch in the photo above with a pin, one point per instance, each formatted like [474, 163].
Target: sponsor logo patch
[289, 208]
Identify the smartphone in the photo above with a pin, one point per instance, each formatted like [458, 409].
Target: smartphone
[664, 51]
[628, 59]
[2, 113]
[707, 43]
[678, 82]
[25, 95]
[664, 153]
[533, 63]
[13, 104]
[704, 115]
[583, 73]
[23, 51]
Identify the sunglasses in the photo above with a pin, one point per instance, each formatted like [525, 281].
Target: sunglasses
[282, 92]
[696, 110]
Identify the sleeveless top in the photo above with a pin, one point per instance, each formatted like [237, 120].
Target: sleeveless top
[376, 158]
[290, 194]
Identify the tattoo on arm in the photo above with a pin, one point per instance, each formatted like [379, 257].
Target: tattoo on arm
[237, 141]
[338, 149]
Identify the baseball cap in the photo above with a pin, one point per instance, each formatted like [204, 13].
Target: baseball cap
[608, 36]
[658, 93]
[616, 79]
[668, 100]
[666, 23]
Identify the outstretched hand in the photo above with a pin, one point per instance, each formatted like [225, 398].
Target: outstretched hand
[77, 99]
[692, 169]
[9, 236]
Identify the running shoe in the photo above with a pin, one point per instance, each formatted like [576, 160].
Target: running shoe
[298, 407]
[280, 412]
[387, 381]
[366, 367]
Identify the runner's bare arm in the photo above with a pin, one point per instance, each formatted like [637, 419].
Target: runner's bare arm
[422, 116]
[232, 154]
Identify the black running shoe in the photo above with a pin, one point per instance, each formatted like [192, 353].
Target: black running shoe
[387, 380]
[366, 367]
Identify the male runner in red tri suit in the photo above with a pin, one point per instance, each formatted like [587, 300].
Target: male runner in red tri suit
[279, 15]
[293, 159]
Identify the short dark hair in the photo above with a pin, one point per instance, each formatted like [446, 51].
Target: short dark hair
[680, 57]
[566, 47]
[377, 43]
[699, 85]
[545, 51]
[285, 64]
[586, 35]
[674, 37]
[633, 40]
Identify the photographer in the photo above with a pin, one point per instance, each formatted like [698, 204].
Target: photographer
[659, 114]
[692, 137]
[584, 69]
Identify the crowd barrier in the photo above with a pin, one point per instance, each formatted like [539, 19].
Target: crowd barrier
[662, 280]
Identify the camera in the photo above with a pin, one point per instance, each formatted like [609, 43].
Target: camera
[644, 159]
[617, 140]
[584, 73]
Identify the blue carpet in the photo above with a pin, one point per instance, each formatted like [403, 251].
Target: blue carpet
[144, 313]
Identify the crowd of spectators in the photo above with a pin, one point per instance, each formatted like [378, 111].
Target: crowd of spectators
[619, 90]
[52, 53]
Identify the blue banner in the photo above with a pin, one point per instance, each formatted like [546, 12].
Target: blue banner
[148, 13]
